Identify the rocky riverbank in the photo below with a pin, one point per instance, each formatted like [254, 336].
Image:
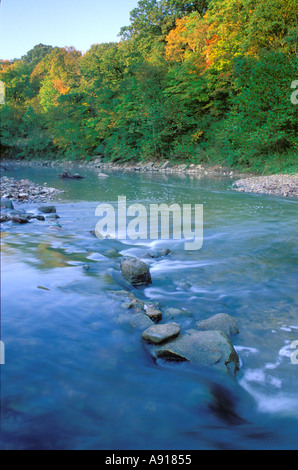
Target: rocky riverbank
[279, 185]
[25, 190]
[98, 164]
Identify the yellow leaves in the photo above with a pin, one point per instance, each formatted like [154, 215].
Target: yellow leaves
[197, 135]
[189, 36]
[60, 86]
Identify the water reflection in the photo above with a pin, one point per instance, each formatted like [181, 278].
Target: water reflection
[77, 375]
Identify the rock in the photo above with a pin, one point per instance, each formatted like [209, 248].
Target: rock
[67, 175]
[53, 216]
[172, 312]
[154, 314]
[6, 204]
[20, 219]
[47, 209]
[221, 322]
[37, 217]
[158, 334]
[136, 272]
[140, 321]
[165, 252]
[207, 348]
[4, 218]
[102, 175]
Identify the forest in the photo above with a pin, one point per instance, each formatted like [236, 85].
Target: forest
[202, 81]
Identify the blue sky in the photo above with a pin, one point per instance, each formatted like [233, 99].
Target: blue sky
[78, 23]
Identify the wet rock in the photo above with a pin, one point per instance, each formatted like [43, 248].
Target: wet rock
[53, 216]
[172, 312]
[158, 254]
[4, 218]
[165, 252]
[102, 175]
[140, 321]
[47, 209]
[136, 272]
[67, 175]
[221, 322]
[154, 314]
[20, 219]
[158, 334]
[6, 204]
[37, 217]
[207, 348]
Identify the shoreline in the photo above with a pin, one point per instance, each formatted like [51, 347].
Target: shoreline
[277, 185]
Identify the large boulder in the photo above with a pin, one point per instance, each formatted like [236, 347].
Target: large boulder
[222, 322]
[207, 348]
[136, 272]
[6, 204]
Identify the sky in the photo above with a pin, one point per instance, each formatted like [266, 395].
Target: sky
[77, 23]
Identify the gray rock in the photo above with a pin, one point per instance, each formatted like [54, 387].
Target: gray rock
[221, 322]
[136, 272]
[20, 219]
[4, 218]
[207, 348]
[47, 209]
[158, 334]
[140, 321]
[154, 314]
[6, 204]
[172, 312]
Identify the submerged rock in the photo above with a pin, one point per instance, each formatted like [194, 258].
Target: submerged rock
[47, 209]
[6, 204]
[158, 334]
[207, 348]
[136, 272]
[222, 322]
[67, 175]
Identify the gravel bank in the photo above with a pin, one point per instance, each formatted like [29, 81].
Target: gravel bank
[26, 191]
[280, 185]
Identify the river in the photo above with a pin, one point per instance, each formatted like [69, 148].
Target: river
[77, 374]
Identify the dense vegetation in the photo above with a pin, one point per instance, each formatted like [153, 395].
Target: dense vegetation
[202, 81]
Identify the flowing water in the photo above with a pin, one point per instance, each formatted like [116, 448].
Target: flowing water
[77, 374]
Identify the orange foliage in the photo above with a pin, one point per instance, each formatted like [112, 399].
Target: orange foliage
[189, 36]
[60, 86]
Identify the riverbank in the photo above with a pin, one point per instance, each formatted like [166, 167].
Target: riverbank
[279, 185]
[97, 163]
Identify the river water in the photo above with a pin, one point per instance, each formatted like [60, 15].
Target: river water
[77, 374]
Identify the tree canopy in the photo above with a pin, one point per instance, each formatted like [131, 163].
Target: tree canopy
[207, 80]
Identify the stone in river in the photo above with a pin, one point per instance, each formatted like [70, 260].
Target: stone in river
[154, 314]
[206, 348]
[136, 272]
[6, 204]
[158, 334]
[222, 322]
[20, 219]
[47, 209]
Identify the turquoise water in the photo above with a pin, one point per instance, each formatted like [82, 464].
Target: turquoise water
[77, 375]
